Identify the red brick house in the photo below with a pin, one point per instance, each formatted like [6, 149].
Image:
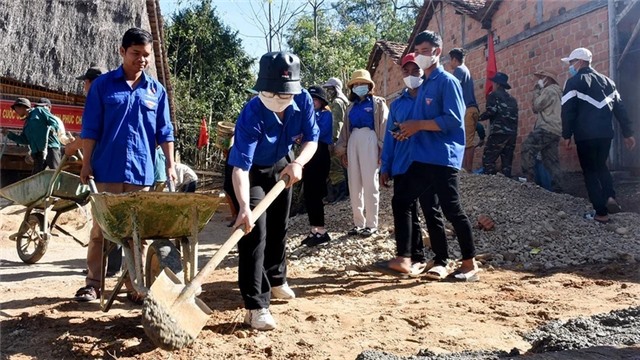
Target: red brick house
[532, 34]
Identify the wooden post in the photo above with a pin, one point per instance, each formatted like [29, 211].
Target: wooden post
[615, 152]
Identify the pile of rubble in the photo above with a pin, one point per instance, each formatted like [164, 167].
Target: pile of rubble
[534, 229]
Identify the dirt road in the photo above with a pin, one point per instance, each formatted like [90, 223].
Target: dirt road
[337, 315]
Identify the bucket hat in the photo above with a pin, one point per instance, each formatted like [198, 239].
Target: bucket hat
[333, 82]
[318, 92]
[361, 75]
[279, 73]
[501, 79]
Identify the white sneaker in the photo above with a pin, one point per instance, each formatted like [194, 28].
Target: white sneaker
[282, 292]
[260, 319]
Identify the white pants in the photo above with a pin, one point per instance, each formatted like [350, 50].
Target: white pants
[364, 191]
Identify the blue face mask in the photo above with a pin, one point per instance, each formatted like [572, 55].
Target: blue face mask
[361, 90]
[572, 70]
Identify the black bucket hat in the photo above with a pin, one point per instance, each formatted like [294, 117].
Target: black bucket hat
[501, 79]
[279, 73]
[318, 92]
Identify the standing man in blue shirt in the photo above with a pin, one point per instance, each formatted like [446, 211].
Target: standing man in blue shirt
[471, 115]
[266, 129]
[437, 147]
[126, 114]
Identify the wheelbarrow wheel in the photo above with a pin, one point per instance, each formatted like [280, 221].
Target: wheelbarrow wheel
[161, 254]
[30, 243]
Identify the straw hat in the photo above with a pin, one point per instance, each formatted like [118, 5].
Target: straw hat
[361, 75]
[548, 73]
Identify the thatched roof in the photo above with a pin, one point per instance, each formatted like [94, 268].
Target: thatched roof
[49, 42]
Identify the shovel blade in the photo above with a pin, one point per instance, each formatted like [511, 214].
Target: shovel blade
[190, 315]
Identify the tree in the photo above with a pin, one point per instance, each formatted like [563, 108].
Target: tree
[210, 72]
[336, 41]
[273, 19]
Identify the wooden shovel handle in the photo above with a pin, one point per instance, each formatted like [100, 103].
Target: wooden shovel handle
[224, 250]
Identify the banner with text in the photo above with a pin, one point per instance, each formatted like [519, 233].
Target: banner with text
[70, 115]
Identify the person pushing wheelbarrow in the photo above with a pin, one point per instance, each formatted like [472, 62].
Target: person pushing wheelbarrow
[269, 124]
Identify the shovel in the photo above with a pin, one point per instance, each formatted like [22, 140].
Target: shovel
[172, 316]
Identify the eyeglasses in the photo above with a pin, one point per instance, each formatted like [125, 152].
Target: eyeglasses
[270, 95]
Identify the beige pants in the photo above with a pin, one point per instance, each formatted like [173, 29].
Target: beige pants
[94, 249]
[362, 170]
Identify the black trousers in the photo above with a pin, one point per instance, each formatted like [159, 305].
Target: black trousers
[441, 181]
[593, 155]
[40, 162]
[262, 254]
[314, 180]
[415, 248]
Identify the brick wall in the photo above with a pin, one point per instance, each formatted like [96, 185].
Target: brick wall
[388, 78]
[521, 59]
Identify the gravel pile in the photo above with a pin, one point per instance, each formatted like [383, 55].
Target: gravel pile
[601, 333]
[617, 328]
[535, 229]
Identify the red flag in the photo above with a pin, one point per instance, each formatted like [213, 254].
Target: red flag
[492, 68]
[203, 138]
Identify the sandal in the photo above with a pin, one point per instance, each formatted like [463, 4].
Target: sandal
[469, 276]
[135, 298]
[87, 293]
[437, 273]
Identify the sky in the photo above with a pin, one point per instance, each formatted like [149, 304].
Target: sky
[237, 15]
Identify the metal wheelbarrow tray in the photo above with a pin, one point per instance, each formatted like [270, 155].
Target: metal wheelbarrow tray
[157, 216]
[48, 190]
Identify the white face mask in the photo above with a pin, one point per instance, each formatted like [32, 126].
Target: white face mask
[425, 61]
[413, 82]
[541, 83]
[275, 104]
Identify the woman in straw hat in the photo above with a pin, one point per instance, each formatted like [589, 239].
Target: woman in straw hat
[359, 146]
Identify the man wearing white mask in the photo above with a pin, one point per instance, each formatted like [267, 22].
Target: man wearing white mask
[589, 103]
[269, 124]
[436, 135]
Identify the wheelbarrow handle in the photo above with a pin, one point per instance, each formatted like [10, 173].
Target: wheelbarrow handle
[92, 185]
[235, 237]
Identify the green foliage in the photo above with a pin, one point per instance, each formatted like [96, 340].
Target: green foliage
[346, 35]
[210, 72]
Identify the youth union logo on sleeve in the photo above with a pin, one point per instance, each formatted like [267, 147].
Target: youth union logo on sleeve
[428, 100]
[297, 139]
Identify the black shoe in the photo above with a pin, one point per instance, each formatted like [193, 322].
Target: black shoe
[355, 231]
[367, 232]
[319, 239]
[309, 237]
[111, 273]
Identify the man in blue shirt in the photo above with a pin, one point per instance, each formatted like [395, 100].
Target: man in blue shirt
[461, 72]
[266, 129]
[126, 114]
[437, 142]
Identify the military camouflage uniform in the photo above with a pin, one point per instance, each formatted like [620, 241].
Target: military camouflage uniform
[338, 188]
[502, 113]
[545, 136]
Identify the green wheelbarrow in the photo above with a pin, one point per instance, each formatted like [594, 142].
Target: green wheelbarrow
[47, 192]
[169, 221]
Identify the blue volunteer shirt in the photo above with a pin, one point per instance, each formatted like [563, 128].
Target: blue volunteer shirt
[466, 82]
[361, 114]
[324, 119]
[262, 139]
[440, 99]
[396, 155]
[126, 125]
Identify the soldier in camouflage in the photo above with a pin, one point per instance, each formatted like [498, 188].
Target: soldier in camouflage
[546, 134]
[337, 187]
[502, 113]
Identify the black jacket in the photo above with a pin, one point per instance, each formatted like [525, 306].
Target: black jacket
[589, 101]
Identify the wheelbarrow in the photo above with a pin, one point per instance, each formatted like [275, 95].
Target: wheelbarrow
[48, 191]
[169, 221]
